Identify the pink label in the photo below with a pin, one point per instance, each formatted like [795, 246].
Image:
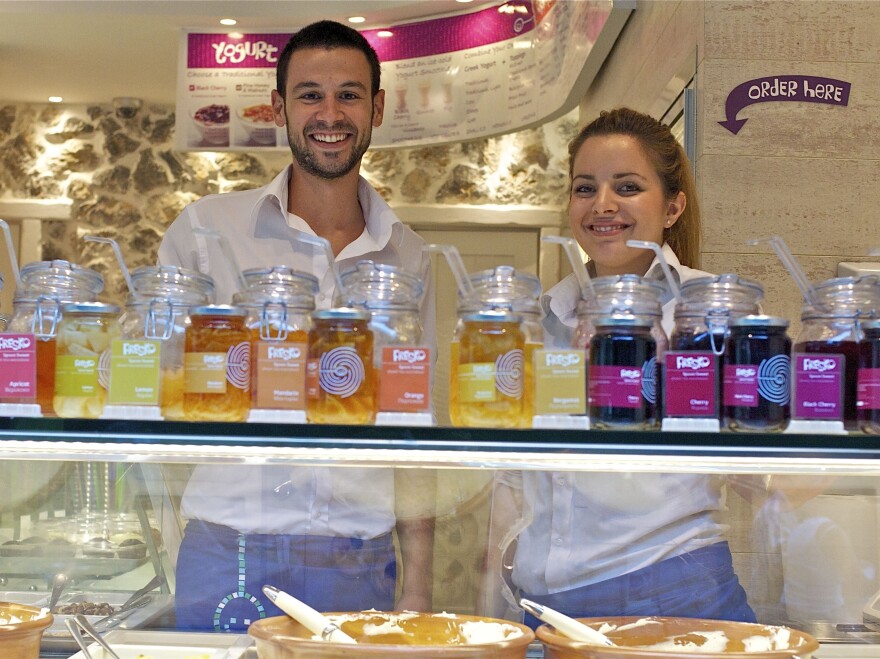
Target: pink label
[818, 386]
[868, 397]
[615, 386]
[689, 384]
[740, 385]
[18, 366]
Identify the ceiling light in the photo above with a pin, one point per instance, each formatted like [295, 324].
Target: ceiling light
[385, 33]
[356, 19]
[55, 99]
[228, 21]
[464, 2]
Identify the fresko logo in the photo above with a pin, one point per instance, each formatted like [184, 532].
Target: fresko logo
[694, 363]
[409, 356]
[236, 53]
[820, 365]
[630, 373]
[84, 363]
[284, 354]
[19, 343]
[563, 359]
[139, 349]
[213, 360]
[745, 372]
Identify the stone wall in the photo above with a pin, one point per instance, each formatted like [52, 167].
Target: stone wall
[126, 181]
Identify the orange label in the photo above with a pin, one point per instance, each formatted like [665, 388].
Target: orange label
[205, 373]
[405, 379]
[281, 375]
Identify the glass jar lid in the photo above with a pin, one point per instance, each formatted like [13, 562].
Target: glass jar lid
[95, 308]
[178, 285]
[760, 320]
[341, 313]
[377, 285]
[725, 294]
[281, 278]
[492, 316]
[624, 320]
[258, 298]
[847, 297]
[220, 310]
[624, 293]
[60, 279]
[502, 287]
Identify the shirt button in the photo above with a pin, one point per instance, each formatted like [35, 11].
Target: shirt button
[322, 297]
[561, 480]
[557, 542]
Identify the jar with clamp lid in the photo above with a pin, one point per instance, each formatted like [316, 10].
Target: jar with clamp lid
[340, 378]
[401, 360]
[868, 394]
[82, 367]
[157, 310]
[217, 364]
[757, 374]
[37, 310]
[693, 368]
[825, 357]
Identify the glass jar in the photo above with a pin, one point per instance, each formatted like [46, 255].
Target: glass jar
[868, 384]
[487, 375]
[37, 310]
[82, 366]
[216, 364]
[402, 363]
[282, 279]
[757, 374]
[623, 378]
[157, 310]
[278, 324]
[504, 289]
[826, 353]
[340, 378]
[694, 366]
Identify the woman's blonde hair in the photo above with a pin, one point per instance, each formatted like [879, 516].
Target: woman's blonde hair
[670, 163]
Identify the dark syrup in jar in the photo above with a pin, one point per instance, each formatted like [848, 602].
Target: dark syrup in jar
[868, 383]
[850, 352]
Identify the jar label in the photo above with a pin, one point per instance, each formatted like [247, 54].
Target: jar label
[615, 386]
[740, 385]
[690, 384]
[76, 375]
[134, 372]
[341, 371]
[205, 373]
[476, 382]
[818, 386]
[560, 382]
[510, 373]
[868, 389]
[18, 366]
[405, 379]
[238, 366]
[280, 375]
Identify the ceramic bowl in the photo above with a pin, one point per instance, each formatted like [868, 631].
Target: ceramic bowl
[212, 122]
[22, 639]
[258, 122]
[680, 638]
[421, 635]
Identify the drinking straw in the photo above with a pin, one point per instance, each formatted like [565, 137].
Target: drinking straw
[453, 258]
[324, 244]
[647, 244]
[10, 248]
[577, 263]
[118, 252]
[227, 253]
[788, 260]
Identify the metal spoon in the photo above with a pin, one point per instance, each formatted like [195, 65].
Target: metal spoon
[58, 584]
[153, 583]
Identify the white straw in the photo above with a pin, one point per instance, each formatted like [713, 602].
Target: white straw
[577, 263]
[788, 260]
[324, 244]
[646, 244]
[227, 253]
[13, 259]
[118, 252]
[453, 258]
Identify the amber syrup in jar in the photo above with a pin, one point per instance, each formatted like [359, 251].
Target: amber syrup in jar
[623, 380]
[757, 375]
[487, 374]
[217, 365]
[868, 383]
[340, 377]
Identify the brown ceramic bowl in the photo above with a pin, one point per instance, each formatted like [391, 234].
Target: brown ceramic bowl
[681, 638]
[22, 639]
[424, 635]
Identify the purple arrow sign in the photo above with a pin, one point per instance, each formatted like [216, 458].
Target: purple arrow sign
[804, 89]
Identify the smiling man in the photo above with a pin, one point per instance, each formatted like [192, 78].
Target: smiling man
[323, 534]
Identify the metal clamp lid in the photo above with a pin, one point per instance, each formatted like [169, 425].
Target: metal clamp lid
[226, 310]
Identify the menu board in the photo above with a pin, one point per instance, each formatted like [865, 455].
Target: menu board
[493, 70]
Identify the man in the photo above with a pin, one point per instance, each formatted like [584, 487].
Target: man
[322, 534]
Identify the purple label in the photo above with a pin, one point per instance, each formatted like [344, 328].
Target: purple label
[18, 366]
[740, 385]
[690, 384]
[818, 386]
[220, 51]
[615, 386]
[868, 396]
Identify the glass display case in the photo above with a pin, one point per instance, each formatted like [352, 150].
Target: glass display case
[108, 504]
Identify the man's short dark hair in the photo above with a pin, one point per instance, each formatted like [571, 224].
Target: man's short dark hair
[328, 35]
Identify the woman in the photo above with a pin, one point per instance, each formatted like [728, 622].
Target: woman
[593, 544]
